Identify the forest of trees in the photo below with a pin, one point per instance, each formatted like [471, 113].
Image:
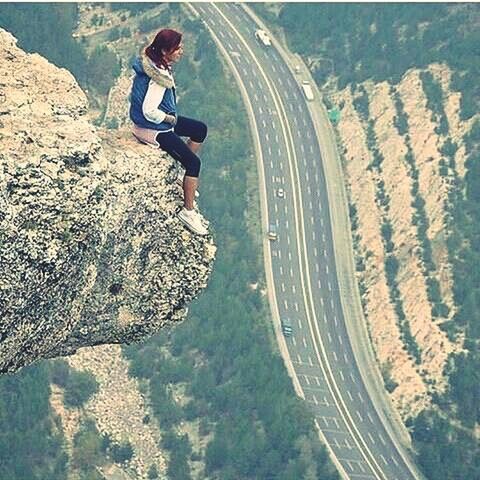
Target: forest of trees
[381, 42]
[30, 442]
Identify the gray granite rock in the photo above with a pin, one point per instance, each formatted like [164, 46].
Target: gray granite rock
[91, 250]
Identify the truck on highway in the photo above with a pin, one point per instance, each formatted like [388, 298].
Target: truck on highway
[287, 329]
[272, 232]
[307, 90]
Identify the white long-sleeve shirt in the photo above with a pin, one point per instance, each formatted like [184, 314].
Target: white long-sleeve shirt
[152, 100]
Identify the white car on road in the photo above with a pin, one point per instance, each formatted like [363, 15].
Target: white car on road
[261, 35]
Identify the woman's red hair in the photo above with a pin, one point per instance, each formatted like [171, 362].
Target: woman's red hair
[167, 40]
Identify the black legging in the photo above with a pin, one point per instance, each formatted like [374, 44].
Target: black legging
[178, 149]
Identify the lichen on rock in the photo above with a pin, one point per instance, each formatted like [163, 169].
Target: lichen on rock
[91, 250]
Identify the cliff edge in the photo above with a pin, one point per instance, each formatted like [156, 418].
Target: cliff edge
[91, 250]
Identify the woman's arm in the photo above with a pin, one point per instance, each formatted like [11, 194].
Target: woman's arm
[152, 100]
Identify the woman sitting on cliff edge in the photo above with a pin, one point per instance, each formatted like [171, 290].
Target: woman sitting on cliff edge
[153, 111]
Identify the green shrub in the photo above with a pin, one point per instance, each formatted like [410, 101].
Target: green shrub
[122, 452]
[59, 372]
[79, 388]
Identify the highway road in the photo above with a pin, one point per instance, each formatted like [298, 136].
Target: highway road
[302, 261]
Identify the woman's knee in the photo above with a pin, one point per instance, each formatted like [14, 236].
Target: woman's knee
[193, 167]
[201, 135]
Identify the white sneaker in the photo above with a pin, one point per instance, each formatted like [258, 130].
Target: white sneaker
[193, 221]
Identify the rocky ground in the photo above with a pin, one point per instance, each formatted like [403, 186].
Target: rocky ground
[119, 408]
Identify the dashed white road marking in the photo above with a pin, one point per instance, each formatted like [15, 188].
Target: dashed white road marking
[359, 416]
[286, 304]
[296, 306]
[304, 342]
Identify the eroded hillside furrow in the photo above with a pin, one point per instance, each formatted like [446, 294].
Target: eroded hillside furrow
[382, 320]
[432, 342]
[426, 145]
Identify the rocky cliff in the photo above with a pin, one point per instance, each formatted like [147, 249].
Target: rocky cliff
[91, 251]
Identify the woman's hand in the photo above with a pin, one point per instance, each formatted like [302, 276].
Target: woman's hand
[170, 119]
